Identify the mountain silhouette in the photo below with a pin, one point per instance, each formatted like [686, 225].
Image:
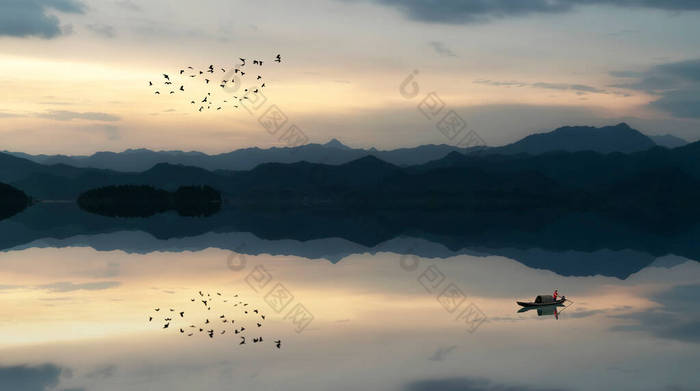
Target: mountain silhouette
[668, 141]
[618, 138]
[608, 139]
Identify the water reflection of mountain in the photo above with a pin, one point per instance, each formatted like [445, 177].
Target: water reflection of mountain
[570, 244]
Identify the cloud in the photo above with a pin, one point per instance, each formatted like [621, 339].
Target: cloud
[128, 5]
[64, 115]
[678, 319]
[677, 83]
[471, 11]
[550, 86]
[465, 384]
[442, 353]
[70, 287]
[441, 49]
[30, 378]
[23, 18]
[103, 30]
[102, 373]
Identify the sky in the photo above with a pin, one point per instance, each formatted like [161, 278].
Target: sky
[74, 74]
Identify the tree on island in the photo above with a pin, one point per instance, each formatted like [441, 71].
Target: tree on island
[145, 201]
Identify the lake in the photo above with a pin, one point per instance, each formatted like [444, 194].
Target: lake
[357, 304]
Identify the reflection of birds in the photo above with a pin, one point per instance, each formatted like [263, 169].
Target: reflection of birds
[211, 303]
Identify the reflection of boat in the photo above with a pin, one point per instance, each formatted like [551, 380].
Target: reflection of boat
[542, 310]
[543, 301]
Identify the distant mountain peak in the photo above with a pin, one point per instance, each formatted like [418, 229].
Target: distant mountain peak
[669, 141]
[369, 161]
[335, 143]
[607, 139]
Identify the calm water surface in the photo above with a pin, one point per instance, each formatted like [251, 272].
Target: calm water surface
[76, 318]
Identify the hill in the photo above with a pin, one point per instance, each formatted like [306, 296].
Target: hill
[608, 139]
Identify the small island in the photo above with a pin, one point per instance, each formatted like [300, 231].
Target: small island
[12, 201]
[145, 201]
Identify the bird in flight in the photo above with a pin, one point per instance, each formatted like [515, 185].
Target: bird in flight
[278, 343]
[166, 76]
[242, 61]
[278, 58]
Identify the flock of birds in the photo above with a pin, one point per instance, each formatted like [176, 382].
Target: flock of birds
[230, 83]
[213, 322]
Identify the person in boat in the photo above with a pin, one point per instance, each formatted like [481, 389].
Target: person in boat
[555, 294]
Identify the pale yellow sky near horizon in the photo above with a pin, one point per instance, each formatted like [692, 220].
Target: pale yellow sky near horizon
[343, 62]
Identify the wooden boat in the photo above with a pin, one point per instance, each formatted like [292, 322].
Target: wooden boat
[542, 301]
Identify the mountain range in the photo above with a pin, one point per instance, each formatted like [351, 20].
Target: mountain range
[618, 138]
[647, 184]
